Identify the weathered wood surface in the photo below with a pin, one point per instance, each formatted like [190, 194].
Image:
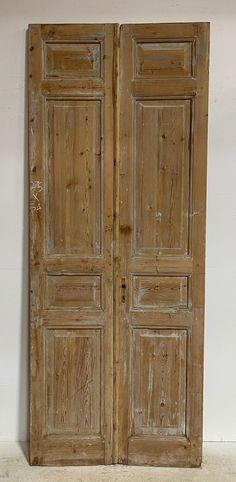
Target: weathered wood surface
[117, 261]
[71, 225]
[162, 171]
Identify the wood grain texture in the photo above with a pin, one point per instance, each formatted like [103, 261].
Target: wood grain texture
[73, 382]
[73, 291]
[78, 60]
[74, 186]
[162, 186]
[160, 177]
[163, 59]
[116, 272]
[162, 292]
[117, 258]
[159, 361]
[71, 223]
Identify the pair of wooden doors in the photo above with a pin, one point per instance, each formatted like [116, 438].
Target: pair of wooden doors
[117, 147]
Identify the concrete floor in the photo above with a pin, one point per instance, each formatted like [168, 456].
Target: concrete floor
[219, 465]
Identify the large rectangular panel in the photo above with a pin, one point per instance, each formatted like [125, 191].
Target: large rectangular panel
[74, 176]
[161, 177]
[73, 291]
[163, 60]
[159, 292]
[73, 382]
[159, 368]
[72, 60]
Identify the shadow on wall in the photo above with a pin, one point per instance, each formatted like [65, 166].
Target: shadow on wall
[23, 398]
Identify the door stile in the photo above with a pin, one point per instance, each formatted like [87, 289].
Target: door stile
[116, 272]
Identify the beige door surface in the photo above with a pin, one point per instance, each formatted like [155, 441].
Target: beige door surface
[117, 148]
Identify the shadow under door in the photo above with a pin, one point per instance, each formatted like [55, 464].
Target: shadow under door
[117, 149]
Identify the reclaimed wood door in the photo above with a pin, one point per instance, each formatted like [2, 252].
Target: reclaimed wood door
[71, 226]
[162, 186]
[117, 148]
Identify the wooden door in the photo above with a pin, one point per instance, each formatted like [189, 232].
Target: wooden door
[117, 382]
[71, 223]
[162, 186]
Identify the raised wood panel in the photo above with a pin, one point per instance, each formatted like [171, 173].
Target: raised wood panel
[159, 368]
[72, 60]
[163, 59]
[161, 177]
[73, 382]
[73, 291]
[74, 167]
[159, 292]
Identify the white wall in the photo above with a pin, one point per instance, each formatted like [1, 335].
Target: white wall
[220, 352]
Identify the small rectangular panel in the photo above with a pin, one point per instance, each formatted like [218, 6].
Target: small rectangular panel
[159, 292]
[159, 367]
[73, 382]
[163, 59]
[161, 175]
[72, 60]
[73, 291]
[74, 176]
